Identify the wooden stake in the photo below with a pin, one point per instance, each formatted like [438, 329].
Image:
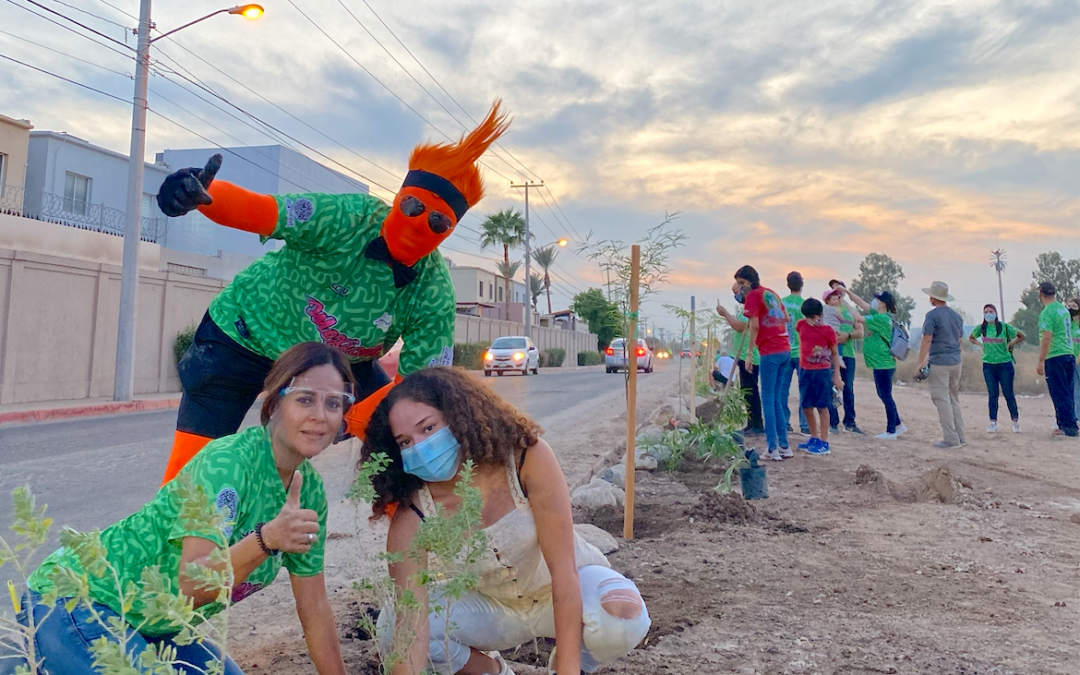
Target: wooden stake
[692, 403]
[631, 396]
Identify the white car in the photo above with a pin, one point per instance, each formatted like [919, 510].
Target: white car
[513, 353]
[616, 358]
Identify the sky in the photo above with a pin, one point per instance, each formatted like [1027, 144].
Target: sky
[786, 135]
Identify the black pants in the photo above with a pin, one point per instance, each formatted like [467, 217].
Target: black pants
[999, 378]
[748, 381]
[1060, 372]
[222, 379]
[883, 381]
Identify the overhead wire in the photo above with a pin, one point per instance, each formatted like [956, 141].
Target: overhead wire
[65, 79]
[77, 23]
[71, 30]
[83, 11]
[72, 56]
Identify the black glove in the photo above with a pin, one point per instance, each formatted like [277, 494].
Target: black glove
[185, 190]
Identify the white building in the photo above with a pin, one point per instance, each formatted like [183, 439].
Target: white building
[270, 169]
[482, 292]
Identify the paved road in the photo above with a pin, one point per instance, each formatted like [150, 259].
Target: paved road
[92, 472]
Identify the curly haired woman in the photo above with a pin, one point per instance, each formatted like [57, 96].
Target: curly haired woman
[537, 577]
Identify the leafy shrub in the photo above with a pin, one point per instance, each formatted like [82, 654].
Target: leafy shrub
[589, 358]
[552, 358]
[470, 355]
[183, 340]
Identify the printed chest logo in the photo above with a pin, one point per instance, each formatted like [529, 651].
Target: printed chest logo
[325, 322]
[340, 289]
[228, 503]
[775, 314]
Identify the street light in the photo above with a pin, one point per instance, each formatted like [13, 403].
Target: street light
[124, 382]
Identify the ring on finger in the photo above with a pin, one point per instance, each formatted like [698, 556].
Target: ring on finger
[310, 537]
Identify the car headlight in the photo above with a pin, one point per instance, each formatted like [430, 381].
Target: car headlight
[518, 356]
[489, 356]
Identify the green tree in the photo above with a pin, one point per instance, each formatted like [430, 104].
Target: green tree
[505, 228]
[1052, 267]
[878, 272]
[536, 287]
[601, 315]
[545, 258]
[507, 270]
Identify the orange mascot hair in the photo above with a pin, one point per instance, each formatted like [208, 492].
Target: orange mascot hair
[456, 162]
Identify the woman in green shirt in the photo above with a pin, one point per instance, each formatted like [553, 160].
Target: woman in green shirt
[274, 509]
[877, 351]
[998, 340]
[1073, 306]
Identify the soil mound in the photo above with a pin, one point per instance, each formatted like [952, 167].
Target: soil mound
[936, 485]
[724, 508]
[649, 520]
[708, 412]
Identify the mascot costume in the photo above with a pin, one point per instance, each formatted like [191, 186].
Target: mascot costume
[354, 273]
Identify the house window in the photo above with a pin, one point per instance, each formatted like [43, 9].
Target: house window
[500, 293]
[76, 193]
[491, 292]
[481, 290]
[3, 164]
[148, 204]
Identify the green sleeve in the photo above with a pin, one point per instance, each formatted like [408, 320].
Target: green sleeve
[325, 224]
[312, 496]
[428, 327]
[1010, 332]
[977, 333]
[217, 472]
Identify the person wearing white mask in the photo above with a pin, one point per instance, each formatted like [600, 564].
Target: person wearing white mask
[536, 577]
[998, 341]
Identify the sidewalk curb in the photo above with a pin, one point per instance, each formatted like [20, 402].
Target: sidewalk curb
[94, 410]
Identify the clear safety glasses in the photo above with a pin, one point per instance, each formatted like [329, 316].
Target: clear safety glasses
[331, 401]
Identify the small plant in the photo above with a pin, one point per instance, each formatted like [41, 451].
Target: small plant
[552, 357]
[470, 355]
[183, 340]
[452, 543]
[589, 358]
[31, 529]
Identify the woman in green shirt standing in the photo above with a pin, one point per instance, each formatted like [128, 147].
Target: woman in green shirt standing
[1073, 306]
[998, 340]
[879, 317]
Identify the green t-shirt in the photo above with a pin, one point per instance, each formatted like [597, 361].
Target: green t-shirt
[1076, 339]
[878, 341]
[848, 348]
[793, 304]
[239, 471]
[744, 338]
[1055, 320]
[322, 287]
[995, 347]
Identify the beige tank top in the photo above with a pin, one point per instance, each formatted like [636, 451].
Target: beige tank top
[512, 569]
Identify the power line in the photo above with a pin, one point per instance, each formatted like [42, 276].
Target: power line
[71, 56]
[127, 14]
[61, 77]
[72, 30]
[99, 18]
[77, 23]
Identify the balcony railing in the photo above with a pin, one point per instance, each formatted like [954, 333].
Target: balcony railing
[52, 208]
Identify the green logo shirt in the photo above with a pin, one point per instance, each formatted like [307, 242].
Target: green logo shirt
[793, 304]
[238, 472]
[995, 347]
[878, 340]
[1055, 320]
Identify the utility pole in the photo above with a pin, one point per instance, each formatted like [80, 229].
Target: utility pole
[528, 235]
[997, 261]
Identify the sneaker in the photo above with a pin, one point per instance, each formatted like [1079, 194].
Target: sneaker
[1016, 426]
[834, 429]
[854, 430]
[806, 445]
[886, 436]
[774, 455]
[786, 452]
[1057, 432]
[902, 429]
[820, 448]
[805, 431]
[992, 428]
[943, 445]
[505, 669]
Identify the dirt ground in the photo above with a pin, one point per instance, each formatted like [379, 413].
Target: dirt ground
[884, 557]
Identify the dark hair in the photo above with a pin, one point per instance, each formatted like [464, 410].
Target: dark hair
[836, 281]
[1047, 288]
[812, 307]
[888, 299]
[794, 282]
[750, 274]
[1076, 300]
[997, 324]
[296, 361]
[489, 429]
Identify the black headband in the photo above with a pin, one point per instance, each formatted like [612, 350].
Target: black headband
[441, 187]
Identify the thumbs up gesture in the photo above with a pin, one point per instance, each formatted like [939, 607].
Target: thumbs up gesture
[295, 529]
[186, 190]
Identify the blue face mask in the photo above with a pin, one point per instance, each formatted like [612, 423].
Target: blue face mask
[434, 459]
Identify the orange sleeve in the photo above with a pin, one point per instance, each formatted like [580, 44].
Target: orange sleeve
[356, 420]
[241, 209]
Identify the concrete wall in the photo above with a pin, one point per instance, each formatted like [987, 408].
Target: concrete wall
[477, 329]
[14, 141]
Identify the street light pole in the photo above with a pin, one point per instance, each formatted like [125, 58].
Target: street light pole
[528, 281]
[124, 385]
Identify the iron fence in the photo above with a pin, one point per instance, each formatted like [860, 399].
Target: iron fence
[53, 208]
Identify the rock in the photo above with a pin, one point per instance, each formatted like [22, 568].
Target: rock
[615, 474]
[597, 537]
[644, 463]
[660, 416]
[597, 493]
[649, 434]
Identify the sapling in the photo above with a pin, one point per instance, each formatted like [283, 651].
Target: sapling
[31, 528]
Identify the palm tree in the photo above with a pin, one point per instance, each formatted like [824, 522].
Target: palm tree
[545, 258]
[505, 228]
[507, 271]
[536, 287]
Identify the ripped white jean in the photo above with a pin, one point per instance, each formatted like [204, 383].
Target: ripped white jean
[479, 622]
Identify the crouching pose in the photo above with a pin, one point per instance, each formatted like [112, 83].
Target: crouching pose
[275, 509]
[537, 577]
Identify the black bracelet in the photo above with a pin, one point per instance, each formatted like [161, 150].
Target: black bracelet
[270, 552]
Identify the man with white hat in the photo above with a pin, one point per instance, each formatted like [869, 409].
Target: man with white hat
[943, 331]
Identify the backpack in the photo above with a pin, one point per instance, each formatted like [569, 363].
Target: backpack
[899, 346]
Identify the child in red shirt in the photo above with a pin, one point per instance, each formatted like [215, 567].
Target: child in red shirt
[818, 356]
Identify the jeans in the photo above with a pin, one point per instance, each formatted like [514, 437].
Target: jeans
[786, 375]
[772, 409]
[479, 622]
[1000, 376]
[945, 393]
[883, 381]
[1076, 391]
[748, 381]
[62, 640]
[847, 373]
[1060, 376]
